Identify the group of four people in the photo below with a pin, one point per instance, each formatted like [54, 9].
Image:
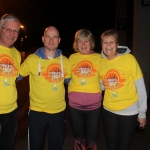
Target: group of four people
[87, 73]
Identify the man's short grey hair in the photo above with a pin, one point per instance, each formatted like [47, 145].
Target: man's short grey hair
[8, 17]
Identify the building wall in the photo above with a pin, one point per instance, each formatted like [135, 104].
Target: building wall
[141, 38]
[121, 16]
[136, 32]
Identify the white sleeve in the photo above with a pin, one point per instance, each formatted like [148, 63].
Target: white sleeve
[142, 97]
[102, 85]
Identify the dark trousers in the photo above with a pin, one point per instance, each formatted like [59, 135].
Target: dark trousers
[85, 124]
[8, 128]
[40, 123]
[119, 130]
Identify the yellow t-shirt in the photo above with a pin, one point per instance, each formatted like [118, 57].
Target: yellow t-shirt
[47, 92]
[9, 65]
[118, 76]
[85, 73]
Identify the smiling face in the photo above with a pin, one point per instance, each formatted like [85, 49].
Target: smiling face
[109, 46]
[51, 38]
[84, 46]
[84, 42]
[8, 33]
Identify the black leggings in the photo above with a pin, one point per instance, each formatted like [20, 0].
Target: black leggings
[85, 124]
[119, 130]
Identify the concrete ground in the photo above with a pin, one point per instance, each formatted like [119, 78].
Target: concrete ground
[141, 140]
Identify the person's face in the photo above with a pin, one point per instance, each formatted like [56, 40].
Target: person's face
[51, 39]
[84, 46]
[9, 33]
[109, 47]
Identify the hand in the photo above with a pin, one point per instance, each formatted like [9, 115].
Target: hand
[142, 122]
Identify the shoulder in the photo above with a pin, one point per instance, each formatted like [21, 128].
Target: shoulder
[16, 51]
[32, 57]
[129, 56]
[97, 55]
[73, 55]
[64, 57]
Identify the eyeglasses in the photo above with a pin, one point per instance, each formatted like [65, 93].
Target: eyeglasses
[7, 30]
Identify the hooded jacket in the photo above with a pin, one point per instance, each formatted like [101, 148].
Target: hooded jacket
[46, 77]
[125, 92]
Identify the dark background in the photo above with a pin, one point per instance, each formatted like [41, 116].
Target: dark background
[67, 16]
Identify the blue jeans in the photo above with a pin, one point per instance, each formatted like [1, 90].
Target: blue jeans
[119, 130]
[40, 123]
[8, 128]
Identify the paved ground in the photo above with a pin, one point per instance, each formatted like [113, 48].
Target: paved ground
[141, 140]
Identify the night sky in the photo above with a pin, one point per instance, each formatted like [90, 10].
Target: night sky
[67, 16]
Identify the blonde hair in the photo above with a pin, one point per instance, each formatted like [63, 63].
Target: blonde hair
[82, 34]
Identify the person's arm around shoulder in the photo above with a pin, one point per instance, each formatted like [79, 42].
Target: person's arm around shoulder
[68, 72]
[24, 69]
[20, 77]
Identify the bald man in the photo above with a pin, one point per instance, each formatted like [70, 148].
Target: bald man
[47, 69]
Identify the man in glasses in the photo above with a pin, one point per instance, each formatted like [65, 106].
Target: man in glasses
[10, 60]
